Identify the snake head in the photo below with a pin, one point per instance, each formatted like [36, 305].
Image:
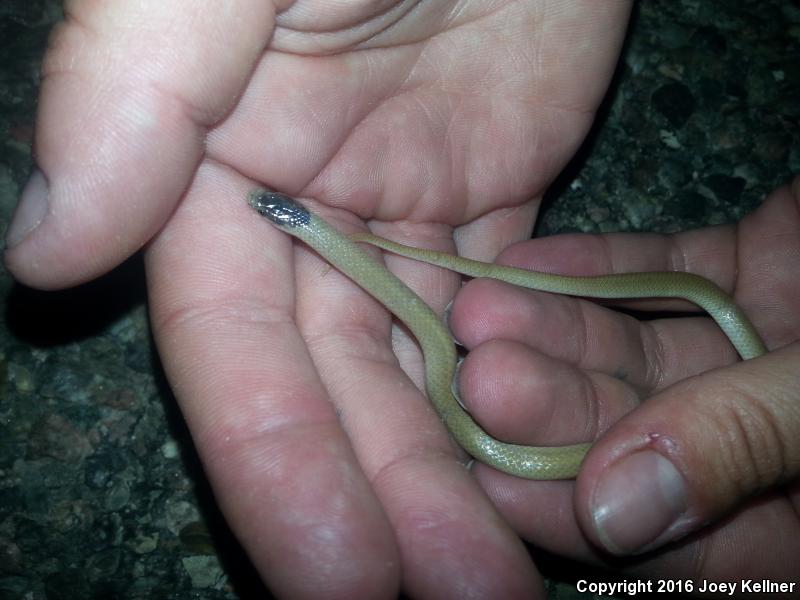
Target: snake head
[280, 209]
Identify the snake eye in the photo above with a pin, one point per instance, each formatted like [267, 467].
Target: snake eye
[279, 208]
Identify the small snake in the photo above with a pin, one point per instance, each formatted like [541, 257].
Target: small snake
[439, 352]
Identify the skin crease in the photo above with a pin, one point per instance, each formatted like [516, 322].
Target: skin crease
[326, 459]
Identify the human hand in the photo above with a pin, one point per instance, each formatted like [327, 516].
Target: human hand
[724, 435]
[431, 121]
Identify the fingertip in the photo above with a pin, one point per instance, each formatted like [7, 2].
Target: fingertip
[476, 314]
[64, 234]
[101, 192]
[638, 500]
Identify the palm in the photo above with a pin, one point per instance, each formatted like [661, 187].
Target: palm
[441, 122]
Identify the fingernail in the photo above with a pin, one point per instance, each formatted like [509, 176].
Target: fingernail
[454, 385]
[636, 501]
[446, 317]
[31, 210]
[446, 321]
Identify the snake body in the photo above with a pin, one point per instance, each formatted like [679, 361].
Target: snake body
[439, 352]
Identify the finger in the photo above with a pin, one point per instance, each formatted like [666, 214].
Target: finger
[222, 306]
[712, 253]
[526, 397]
[708, 252]
[541, 512]
[693, 453]
[128, 90]
[648, 355]
[434, 505]
[767, 238]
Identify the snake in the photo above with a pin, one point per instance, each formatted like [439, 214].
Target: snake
[438, 348]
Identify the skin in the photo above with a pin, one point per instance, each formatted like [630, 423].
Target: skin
[330, 465]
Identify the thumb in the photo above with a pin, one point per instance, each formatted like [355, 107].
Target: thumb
[693, 453]
[127, 93]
